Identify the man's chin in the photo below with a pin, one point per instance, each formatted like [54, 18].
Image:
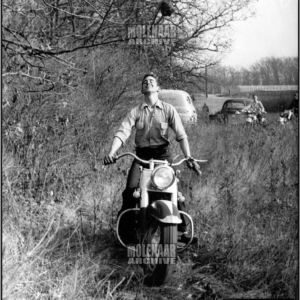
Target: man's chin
[149, 92]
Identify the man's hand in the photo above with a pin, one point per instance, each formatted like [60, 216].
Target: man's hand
[109, 159]
[192, 165]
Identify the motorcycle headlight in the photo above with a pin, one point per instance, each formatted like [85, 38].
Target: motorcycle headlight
[162, 177]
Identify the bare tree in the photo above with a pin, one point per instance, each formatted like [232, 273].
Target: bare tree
[43, 29]
[277, 70]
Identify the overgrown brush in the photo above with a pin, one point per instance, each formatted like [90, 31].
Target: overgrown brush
[59, 241]
[247, 203]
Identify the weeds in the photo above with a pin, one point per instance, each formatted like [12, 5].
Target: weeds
[58, 230]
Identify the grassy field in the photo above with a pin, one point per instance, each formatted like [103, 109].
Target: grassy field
[62, 244]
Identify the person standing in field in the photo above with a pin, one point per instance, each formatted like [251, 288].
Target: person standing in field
[295, 105]
[205, 110]
[152, 119]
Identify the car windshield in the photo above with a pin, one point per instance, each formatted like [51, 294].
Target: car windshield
[236, 105]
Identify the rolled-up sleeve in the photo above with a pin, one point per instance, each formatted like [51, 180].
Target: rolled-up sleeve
[128, 123]
[176, 124]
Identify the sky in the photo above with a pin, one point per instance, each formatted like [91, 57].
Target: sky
[272, 32]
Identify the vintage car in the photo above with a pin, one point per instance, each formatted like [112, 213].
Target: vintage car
[182, 102]
[231, 112]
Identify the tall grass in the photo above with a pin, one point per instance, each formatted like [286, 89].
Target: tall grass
[247, 203]
[62, 245]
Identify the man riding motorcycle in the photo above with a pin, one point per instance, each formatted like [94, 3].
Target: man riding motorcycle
[152, 118]
[256, 108]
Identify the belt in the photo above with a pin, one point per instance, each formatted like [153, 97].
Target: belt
[152, 150]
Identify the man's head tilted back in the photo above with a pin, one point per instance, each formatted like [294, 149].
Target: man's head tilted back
[150, 83]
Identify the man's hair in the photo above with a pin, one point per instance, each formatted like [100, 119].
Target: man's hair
[152, 75]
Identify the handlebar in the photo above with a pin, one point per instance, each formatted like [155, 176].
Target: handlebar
[190, 159]
[187, 159]
[133, 155]
[148, 161]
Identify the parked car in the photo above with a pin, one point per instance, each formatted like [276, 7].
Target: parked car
[231, 112]
[182, 102]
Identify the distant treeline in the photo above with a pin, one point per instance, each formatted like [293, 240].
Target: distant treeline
[268, 71]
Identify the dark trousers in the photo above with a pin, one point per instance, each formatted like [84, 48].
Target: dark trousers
[259, 117]
[133, 178]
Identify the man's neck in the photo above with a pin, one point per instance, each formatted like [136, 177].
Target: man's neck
[151, 98]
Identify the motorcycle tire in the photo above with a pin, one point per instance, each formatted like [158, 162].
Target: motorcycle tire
[156, 274]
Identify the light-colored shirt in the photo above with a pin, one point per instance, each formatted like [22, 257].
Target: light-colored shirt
[151, 127]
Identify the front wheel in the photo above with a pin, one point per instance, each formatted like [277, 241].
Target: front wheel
[161, 251]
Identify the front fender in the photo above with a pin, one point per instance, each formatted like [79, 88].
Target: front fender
[165, 212]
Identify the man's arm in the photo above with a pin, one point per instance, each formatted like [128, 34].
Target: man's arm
[116, 144]
[185, 147]
[121, 136]
[262, 107]
[175, 123]
[191, 164]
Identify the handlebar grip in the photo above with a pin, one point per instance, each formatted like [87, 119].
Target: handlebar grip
[107, 160]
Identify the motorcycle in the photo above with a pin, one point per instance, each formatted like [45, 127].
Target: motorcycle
[286, 116]
[156, 219]
[253, 119]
